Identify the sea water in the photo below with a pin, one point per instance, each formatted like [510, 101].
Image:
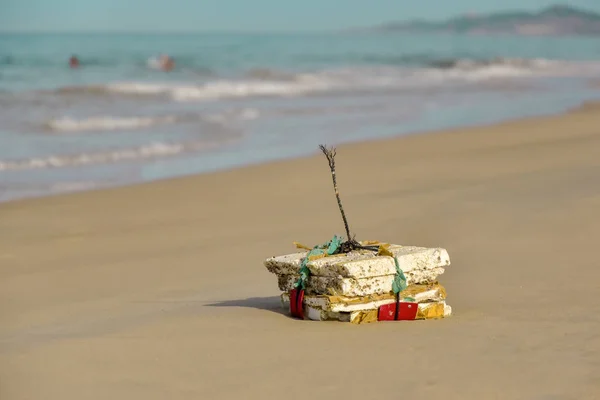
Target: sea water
[237, 99]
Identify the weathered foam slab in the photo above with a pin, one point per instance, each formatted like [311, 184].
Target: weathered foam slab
[357, 287]
[420, 294]
[434, 310]
[362, 264]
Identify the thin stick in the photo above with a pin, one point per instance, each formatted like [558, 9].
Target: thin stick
[330, 154]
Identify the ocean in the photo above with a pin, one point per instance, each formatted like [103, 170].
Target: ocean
[238, 99]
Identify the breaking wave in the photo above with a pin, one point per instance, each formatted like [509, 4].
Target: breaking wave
[268, 82]
[470, 64]
[428, 60]
[108, 123]
[148, 151]
[112, 123]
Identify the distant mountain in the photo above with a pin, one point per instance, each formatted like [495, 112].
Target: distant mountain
[554, 20]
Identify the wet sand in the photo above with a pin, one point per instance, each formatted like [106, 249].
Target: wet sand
[158, 291]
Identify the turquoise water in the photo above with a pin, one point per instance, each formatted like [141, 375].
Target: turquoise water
[236, 99]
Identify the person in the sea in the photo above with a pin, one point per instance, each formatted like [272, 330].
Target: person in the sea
[166, 62]
[73, 62]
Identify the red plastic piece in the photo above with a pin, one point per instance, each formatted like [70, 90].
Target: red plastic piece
[297, 303]
[406, 312]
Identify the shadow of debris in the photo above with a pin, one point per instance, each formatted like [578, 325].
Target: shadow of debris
[272, 303]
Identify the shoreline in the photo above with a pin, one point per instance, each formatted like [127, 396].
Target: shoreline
[582, 106]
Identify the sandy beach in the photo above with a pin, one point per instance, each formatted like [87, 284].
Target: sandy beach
[158, 291]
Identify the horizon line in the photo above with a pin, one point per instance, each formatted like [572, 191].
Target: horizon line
[164, 32]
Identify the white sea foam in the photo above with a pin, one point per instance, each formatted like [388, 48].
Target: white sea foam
[225, 118]
[248, 114]
[151, 150]
[106, 123]
[110, 123]
[221, 89]
[138, 88]
[436, 73]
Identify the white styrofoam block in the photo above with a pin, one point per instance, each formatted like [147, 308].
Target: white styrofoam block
[357, 287]
[362, 264]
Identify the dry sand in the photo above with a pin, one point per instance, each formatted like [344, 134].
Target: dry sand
[134, 293]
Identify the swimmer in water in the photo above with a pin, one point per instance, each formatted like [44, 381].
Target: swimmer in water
[166, 63]
[73, 62]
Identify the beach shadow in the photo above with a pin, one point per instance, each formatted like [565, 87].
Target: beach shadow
[272, 303]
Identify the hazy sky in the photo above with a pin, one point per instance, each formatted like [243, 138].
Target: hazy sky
[238, 15]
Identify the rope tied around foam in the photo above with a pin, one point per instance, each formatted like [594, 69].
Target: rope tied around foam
[336, 246]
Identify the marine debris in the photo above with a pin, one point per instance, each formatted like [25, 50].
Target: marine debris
[361, 281]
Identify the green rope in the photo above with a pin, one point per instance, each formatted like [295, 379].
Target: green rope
[332, 247]
[399, 283]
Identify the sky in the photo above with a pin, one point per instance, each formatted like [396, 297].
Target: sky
[240, 15]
